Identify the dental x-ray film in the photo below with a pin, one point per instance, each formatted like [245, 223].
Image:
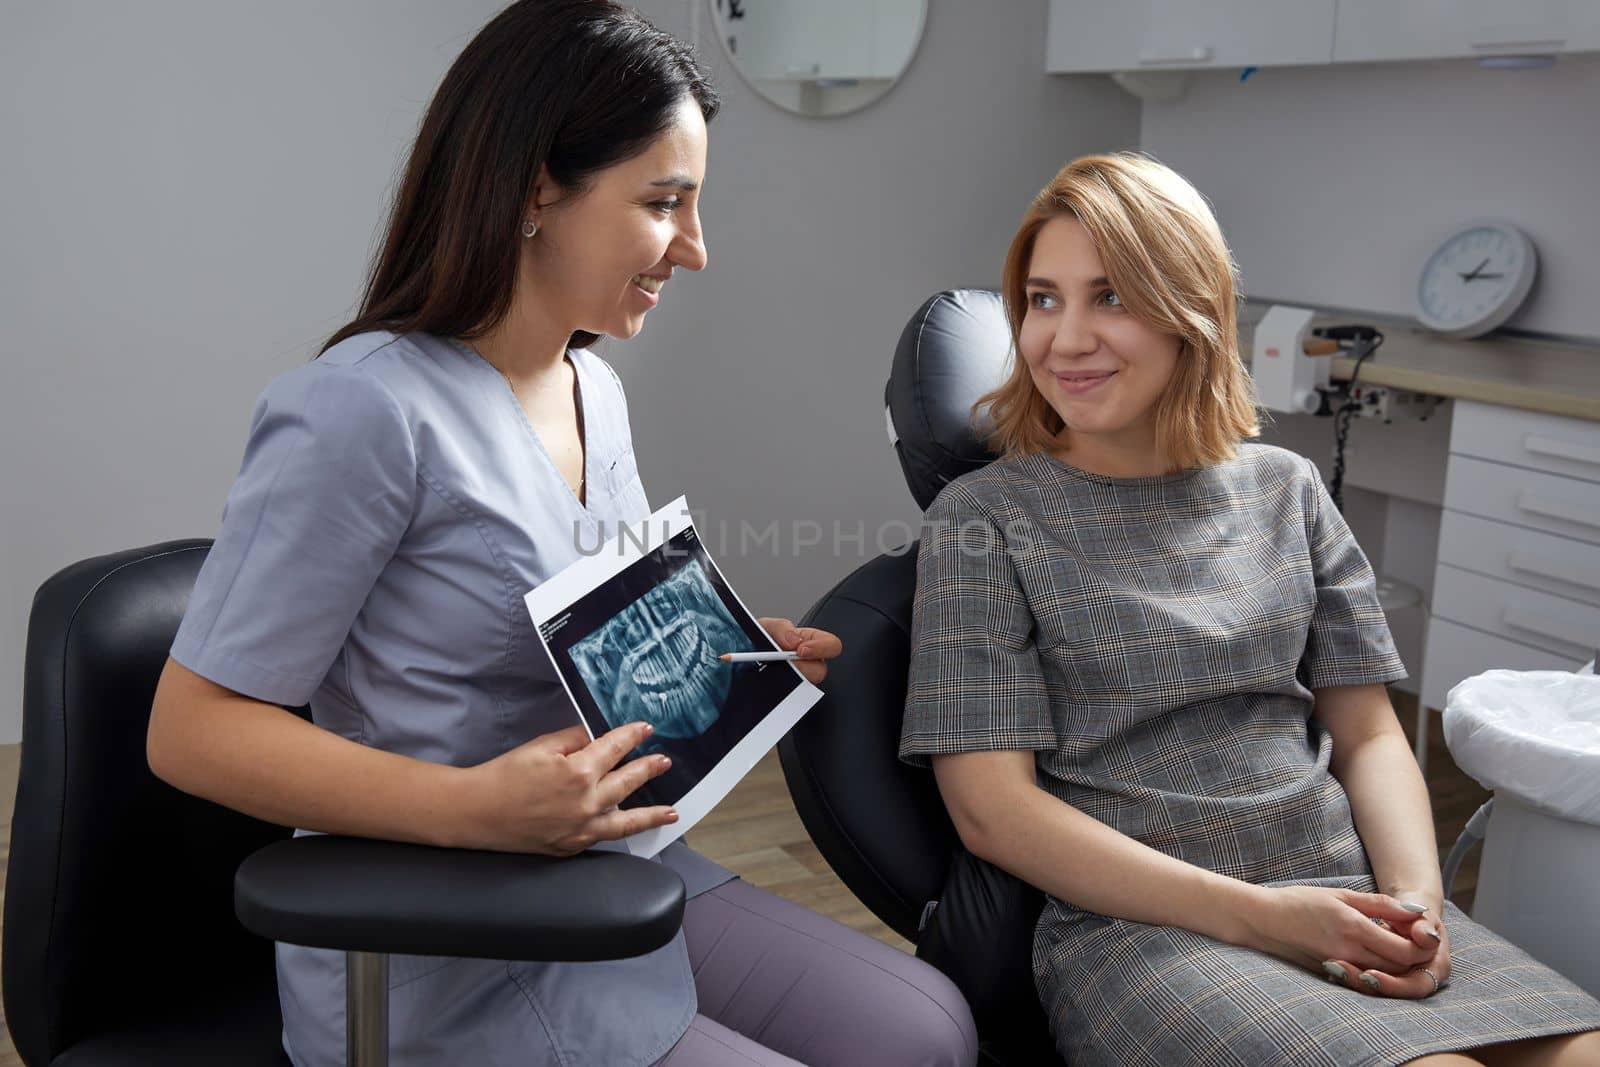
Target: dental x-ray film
[635, 631]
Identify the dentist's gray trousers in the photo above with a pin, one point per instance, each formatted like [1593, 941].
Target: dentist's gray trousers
[779, 984]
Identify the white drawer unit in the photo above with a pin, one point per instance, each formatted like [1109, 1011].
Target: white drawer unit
[1517, 584]
[1565, 627]
[1455, 652]
[1540, 442]
[1558, 565]
[1551, 502]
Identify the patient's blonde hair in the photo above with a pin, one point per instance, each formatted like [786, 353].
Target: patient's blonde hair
[1165, 258]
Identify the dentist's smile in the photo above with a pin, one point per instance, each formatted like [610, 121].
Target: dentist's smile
[650, 285]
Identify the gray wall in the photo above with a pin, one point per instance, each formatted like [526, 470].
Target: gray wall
[188, 192]
[1334, 183]
[191, 190]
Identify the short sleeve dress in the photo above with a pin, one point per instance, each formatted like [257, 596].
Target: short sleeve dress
[1155, 642]
[392, 508]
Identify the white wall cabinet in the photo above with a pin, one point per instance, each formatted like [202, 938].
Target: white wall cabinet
[1091, 35]
[1149, 35]
[1370, 30]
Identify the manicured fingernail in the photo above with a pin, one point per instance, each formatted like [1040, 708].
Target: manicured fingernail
[648, 729]
[1371, 980]
[1335, 972]
[665, 762]
[1415, 909]
[1435, 935]
[672, 816]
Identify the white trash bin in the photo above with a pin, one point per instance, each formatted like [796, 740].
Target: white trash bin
[1533, 738]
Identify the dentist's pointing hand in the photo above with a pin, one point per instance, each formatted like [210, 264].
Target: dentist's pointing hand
[815, 646]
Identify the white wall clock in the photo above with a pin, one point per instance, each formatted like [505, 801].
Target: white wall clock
[1476, 279]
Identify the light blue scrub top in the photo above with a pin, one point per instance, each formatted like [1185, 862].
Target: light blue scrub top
[393, 507]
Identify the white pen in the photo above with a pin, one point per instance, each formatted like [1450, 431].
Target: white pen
[756, 657]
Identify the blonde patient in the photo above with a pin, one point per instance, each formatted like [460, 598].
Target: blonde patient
[1158, 691]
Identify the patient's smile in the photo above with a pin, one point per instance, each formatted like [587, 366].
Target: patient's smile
[1080, 382]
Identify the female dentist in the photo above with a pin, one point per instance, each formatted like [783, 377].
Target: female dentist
[450, 449]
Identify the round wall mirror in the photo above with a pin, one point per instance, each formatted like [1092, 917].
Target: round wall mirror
[820, 57]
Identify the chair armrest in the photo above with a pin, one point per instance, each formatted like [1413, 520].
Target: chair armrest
[362, 895]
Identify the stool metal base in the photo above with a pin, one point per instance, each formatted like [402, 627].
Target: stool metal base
[366, 1005]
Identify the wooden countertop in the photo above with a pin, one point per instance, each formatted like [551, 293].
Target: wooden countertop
[1515, 372]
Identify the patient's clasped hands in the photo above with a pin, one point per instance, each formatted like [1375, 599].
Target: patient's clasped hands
[1333, 932]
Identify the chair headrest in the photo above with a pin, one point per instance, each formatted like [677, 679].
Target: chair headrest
[955, 348]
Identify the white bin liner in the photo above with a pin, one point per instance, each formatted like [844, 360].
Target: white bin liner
[1534, 734]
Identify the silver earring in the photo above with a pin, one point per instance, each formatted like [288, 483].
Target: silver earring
[529, 227]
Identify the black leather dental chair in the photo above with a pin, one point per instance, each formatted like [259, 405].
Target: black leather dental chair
[879, 822]
[123, 943]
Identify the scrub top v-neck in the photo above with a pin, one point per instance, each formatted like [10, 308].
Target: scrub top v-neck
[581, 495]
[393, 507]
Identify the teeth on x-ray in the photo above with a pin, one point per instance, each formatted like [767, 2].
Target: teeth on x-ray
[656, 660]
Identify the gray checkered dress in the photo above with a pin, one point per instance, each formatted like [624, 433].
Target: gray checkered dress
[1155, 641]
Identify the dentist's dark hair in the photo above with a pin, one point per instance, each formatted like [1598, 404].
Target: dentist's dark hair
[574, 86]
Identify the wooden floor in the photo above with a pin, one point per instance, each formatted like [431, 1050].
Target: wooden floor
[756, 833]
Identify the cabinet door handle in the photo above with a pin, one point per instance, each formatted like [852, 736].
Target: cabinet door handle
[1198, 54]
[1558, 508]
[1512, 42]
[1550, 446]
[1533, 622]
[1588, 577]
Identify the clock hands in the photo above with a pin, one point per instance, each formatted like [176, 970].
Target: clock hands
[1478, 272]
